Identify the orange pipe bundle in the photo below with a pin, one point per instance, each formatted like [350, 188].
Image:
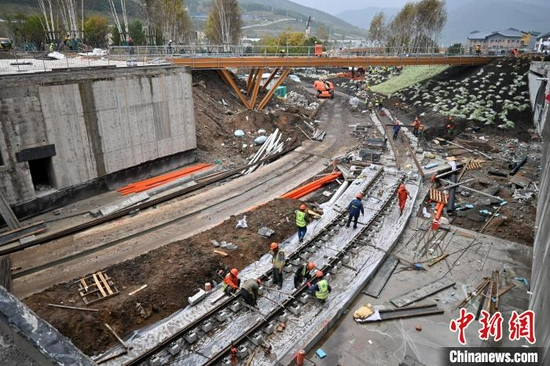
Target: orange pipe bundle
[160, 180]
[310, 187]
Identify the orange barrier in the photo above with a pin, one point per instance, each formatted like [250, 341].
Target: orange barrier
[160, 180]
[438, 211]
[310, 187]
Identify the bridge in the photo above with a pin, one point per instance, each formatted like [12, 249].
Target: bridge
[257, 65]
[257, 59]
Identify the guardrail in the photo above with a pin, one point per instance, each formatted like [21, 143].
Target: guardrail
[226, 56]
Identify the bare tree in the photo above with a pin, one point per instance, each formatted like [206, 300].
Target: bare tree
[378, 30]
[224, 22]
[69, 16]
[123, 32]
[46, 6]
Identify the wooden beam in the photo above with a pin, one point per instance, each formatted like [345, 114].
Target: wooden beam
[22, 232]
[251, 76]
[7, 214]
[273, 74]
[257, 82]
[268, 96]
[235, 87]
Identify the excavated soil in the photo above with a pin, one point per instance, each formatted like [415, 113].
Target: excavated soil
[171, 273]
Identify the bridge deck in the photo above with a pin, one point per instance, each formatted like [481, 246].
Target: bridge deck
[293, 62]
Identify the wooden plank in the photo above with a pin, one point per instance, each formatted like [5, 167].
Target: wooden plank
[72, 307]
[22, 232]
[98, 284]
[7, 214]
[422, 292]
[84, 284]
[223, 254]
[5, 273]
[138, 290]
[410, 312]
[505, 289]
[105, 283]
[376, 285]
[438, 259]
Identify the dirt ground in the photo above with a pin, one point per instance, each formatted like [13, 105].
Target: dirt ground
[172, 273]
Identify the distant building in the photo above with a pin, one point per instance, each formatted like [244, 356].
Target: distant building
[501, 41]
[542, 43]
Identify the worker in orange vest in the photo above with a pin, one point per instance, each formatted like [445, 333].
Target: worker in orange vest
[231, 282]
[416, 125]
[402, 195]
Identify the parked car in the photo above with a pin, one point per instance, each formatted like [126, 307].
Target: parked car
[6, 44]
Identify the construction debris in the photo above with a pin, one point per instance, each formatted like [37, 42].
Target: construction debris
[101, 288]
[266, 232]
[73, 307]
[422, 292]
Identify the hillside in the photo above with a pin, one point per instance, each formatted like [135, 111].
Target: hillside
[466, 16]
[257, 13]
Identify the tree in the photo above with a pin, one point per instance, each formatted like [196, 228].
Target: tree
[378, 30]
[322, 33]
[96, 28]
[26, 31]
[174, 20]
[137, 33]
[455, 49]
[224, 23]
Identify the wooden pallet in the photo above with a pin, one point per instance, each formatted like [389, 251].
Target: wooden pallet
[96, 287]
[438, 196]
[475, 164]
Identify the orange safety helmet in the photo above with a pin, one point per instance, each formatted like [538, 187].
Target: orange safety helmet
[310, 266]
[319, 274]
[274, 246]
[259, 282]
[302, 207]
[360, 195]
[234, 272]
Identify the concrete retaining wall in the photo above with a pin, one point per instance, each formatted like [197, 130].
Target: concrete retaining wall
[540, 286]
[69, 128]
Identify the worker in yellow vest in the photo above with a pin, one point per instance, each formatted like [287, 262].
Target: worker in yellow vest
[278, 260]
[321, 288]
[301, 222]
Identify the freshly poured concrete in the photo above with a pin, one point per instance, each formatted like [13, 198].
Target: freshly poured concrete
[387, 342]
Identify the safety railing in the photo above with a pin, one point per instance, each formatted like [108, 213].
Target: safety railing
[288, 56]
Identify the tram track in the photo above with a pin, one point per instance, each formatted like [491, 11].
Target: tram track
[109, 244]
[193, 330]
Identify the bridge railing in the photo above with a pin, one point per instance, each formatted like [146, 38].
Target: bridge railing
[19, 62]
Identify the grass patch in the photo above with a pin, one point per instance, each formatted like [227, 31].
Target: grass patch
[409, 76]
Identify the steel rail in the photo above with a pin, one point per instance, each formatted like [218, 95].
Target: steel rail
[216, 358]
[295, 255]
[81, 227]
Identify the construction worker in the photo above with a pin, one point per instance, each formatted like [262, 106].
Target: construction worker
[402, 195]
[301, 222]
[421, 130]
[416, 125]
[231, 282]
[51, 47]
[282, 53]
[278, 261]
[303, 272]
[396, 129]
[355, 208]
[321, 288]
[451, 128]
[249, 291]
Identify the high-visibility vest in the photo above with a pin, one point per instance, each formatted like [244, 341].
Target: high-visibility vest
[322, 294]
[278, 259]
[301, 218]
[304, 270]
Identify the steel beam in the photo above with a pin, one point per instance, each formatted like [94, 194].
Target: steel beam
[257, 82]
[264, 87]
